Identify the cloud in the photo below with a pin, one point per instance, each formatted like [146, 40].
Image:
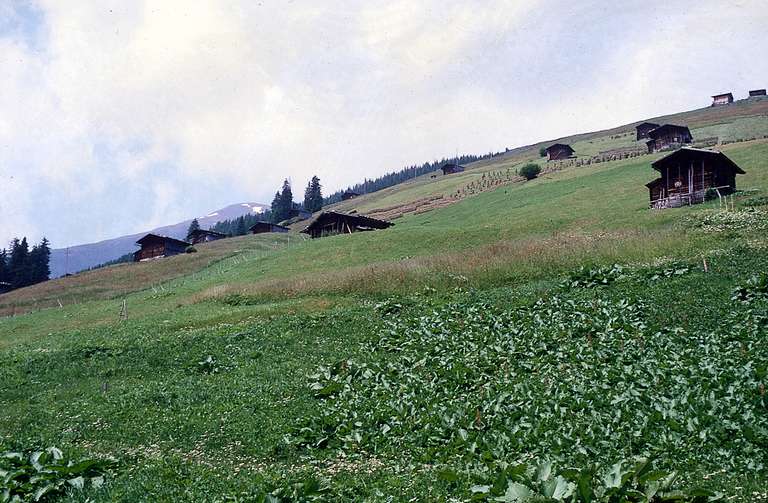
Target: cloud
[120, 115]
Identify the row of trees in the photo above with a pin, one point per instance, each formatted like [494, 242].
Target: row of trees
[20, 266]
[404, 174]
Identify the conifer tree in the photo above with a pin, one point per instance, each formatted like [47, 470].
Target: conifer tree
[19, 263]
[313, 197]
[193, 226]
[39, 262]
[4, 276]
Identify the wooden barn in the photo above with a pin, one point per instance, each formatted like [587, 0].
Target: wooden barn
[348, 194]
[329, 223]
[645, 128]
[722, 99]
[299, 214]
[263, 227]
[559, 151]
[451, 168]
[205, 236]
[756, 92]
[688, 173]
[154, 246]
[668, 136]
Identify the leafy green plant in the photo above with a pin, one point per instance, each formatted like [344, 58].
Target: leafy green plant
[41, 475]
[592, 277]
[529, 171]
[190, 249]
[756, 201]
[754, 288]
[621, 483]
[543, 152]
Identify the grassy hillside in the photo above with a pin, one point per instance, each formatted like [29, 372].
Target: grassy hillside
[427, 361]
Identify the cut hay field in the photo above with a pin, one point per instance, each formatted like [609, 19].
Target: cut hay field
[526, 338]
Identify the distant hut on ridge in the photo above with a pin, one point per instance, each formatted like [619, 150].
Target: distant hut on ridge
[722, 99]
[645, 128]
[155, 246]
[348, 194]
[198, 236]
[262, 227]
[668, 136]
[559, 151]
[330, 223]
[451, 168]
[756, 92]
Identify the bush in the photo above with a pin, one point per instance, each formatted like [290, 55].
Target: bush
[190, 249]
[530, 171]
[710, 194]
[542, 152]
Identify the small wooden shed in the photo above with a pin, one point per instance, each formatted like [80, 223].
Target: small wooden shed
[645, 128]
[451, 168]
[263, 227]
[688, 173]
[756, 92]
[155, 246]
[348, 194]
[205, 236]
[668, 136]
[329, 223]
[559, 151]
[722, 99]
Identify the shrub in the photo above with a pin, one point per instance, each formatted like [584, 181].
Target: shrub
[530, 171]
[542, 152]
[43, 474]
[190, 249]
[710, 194]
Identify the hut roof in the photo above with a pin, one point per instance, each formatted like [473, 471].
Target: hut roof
[723, 95]
[560, 146]
[262, 223]
[149, 238]
[688, 153]
[357, 220]
[655, 133]
[653, 124]
[207, 232]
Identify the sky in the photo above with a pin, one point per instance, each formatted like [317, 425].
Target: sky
[117, 116]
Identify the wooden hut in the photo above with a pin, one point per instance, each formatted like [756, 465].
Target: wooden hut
[299, 214]
[756, 92]
[451, 167]
[559, 151]
[722, 99]
[645, 128]
[329, 223]
[263, 227]
[348, 194]
[205, 236]
[668, 136]
[154, 246]
[688, 173]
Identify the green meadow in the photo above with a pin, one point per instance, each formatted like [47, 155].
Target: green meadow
[538, 340]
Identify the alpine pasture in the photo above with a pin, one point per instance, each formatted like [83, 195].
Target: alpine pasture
[550, 339]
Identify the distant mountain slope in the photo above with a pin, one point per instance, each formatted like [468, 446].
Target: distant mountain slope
[80, 257]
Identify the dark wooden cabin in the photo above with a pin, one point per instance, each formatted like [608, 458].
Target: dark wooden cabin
[452, 168]
[348, 194]
[299, 214]
[205, 236]
[154, 246]
[559, 151]
[756, 92]
[722, 99]
[263, 227]
[329, 223]
[645, 128]
[688, 173]
[668, 136]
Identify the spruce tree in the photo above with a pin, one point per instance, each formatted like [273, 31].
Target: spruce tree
[39, 262]
[313, 197]
[276, 212]
[4, 276]
[19, 263]
[193, 226]
[286, 201]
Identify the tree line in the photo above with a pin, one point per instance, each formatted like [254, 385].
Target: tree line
[21, 266]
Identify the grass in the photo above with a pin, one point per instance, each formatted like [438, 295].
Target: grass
[211, 389]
